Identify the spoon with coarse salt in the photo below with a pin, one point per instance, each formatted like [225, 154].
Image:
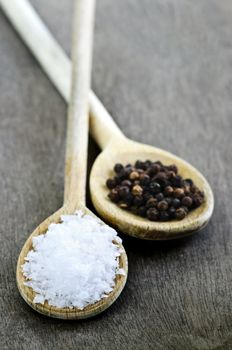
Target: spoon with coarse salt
[38, 253]
[116, 147]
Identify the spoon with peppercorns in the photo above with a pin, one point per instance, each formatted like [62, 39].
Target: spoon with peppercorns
[147, 192]
[143, 191]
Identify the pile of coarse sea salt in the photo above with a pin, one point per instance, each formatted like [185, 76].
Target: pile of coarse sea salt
[74, 263]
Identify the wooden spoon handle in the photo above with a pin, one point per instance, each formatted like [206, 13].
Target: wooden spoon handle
[78, 111]
[56, 64]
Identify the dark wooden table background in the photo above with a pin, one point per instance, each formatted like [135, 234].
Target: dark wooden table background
[163, 68]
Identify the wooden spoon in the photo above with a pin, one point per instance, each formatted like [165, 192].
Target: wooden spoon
[76, 162]
[116, 147]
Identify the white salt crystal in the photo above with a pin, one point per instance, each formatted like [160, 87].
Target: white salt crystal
[74, 263]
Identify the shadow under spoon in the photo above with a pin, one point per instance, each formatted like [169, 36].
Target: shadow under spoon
[116, 147]
[76, 163]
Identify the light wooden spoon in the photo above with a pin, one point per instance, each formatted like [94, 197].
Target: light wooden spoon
[116, 147]
[76, 162]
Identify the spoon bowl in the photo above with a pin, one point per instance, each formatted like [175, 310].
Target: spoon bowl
[124, 151]
[67, 313]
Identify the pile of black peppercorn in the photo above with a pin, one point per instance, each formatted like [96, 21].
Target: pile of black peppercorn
[154, 191]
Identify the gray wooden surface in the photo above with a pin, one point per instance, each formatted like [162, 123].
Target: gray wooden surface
[163, 68]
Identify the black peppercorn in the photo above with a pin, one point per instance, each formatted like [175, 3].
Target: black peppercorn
[152, 214]
[151, 203]
[197, 200]
[180, 214]
[127, 183]
[176, 203]
[178, 193]
[114, 196]
[128, 198]
[168, 191]
[163, 205]
[161, 176]
[123, 191]
[194, 189]
[144, 179]
[138, 164]
[159, 196]
[187, 201]
[154, 187]
[154, 169]
[118, 168]
[111, 183]
[122, 175]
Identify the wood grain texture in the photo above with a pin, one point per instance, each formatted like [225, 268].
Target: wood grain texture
[163, 69]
